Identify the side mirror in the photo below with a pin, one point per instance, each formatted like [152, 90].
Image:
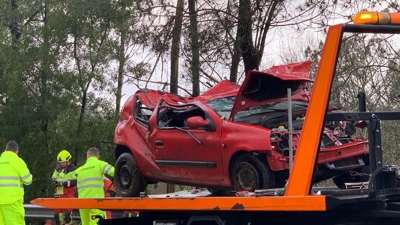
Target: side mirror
[197, 121]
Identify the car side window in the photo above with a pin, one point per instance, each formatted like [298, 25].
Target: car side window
[142, 113]
[169, 117]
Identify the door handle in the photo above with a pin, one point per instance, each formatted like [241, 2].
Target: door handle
[159, 143]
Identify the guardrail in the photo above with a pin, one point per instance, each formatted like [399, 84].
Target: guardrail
[40, 212]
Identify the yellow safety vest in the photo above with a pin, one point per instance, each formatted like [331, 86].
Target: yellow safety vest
[13, 175]
[65, 174]
[90, 178]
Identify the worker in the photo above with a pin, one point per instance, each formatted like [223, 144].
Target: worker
[14, 174]
[90, 179]
[109, 192]
[64, 179]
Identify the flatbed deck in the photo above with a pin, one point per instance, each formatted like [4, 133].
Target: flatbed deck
[328, 205]
[321, 199]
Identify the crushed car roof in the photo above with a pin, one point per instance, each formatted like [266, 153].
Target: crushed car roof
[151, 97]
[222, 89]
[292, 71]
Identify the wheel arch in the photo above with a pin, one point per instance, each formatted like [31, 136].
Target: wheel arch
[233, 158]
[121, 149]
[277, 175]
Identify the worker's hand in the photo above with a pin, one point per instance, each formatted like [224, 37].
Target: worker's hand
[58, 183]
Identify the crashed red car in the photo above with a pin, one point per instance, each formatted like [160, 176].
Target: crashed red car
[229, 138]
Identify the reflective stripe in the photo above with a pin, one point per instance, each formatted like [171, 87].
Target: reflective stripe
[89, 179]
[89, 186]
[9, 178]
[26, 176]
[28, 183]
[108, 170]
[10, 185]
[103, 169]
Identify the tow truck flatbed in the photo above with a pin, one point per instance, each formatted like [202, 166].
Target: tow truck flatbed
[329, 205]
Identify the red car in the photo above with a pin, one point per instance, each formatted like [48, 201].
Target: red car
[229, 138]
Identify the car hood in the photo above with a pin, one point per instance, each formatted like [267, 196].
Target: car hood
[222, 89]
[269, 85]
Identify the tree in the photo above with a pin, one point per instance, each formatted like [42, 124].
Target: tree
[194, 37]
[176, 36]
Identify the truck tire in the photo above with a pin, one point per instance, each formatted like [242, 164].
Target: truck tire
[249, 173]
[128, 180]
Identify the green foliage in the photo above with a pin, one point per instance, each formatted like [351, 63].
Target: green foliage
[43, 88]
[139, 70]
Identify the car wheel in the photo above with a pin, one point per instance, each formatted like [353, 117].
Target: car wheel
[128, 180]
[347, 178]
[249, 173]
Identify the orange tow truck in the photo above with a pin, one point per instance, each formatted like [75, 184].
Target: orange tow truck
[301, 203]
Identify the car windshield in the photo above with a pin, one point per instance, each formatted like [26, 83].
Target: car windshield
[222, 105]
[271, 107]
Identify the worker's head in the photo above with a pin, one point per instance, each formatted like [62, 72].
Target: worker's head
[12, 146]
[93, 152]
[64, 158]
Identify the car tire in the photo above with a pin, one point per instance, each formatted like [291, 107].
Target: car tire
[249, 172]
[346, 178]
[128, 180]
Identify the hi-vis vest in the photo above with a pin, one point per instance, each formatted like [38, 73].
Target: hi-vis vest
[13, 175]
[90, 178]
[65, 174]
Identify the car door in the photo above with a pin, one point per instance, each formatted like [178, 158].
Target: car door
[185, 153]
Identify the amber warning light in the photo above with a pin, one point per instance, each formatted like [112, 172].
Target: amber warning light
[376, 18]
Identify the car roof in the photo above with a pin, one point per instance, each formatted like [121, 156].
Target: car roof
[222, 89]
[151, 97]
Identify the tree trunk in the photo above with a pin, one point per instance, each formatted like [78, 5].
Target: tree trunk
[244, 44]
[245, 36]
[176, 44]
[44, 70]
[235, 59]
[194, 37]
[13, 23]
[83, 102]
[121, 59]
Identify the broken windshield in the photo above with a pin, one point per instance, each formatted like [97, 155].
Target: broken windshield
[271, 107]
[222, 105]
